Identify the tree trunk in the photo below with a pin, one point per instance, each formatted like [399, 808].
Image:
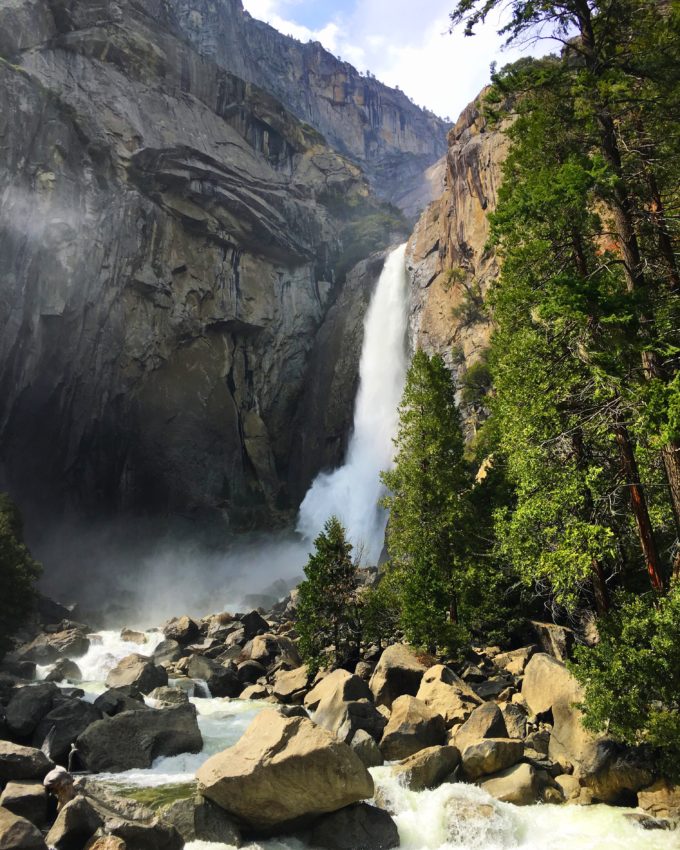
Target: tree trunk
[638, 504]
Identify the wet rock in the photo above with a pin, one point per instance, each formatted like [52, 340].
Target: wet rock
[27, 800]
[27, 707]
[17, 833]
[168, 652]
[398, 672]
[166, 696]
[447, 694]
[569, 786]
[115, 701]
[486, 721]
[183, 630]
[60, 785]
[71, 643]
[662, 799]
[365, 747]
[248, 672]
[134, 739]
[412, 726]
[290, 686]
[647, 822]
[137, 671]
[133, 636]
[17, 762]
[518, 785]
[490, 756]
[60, 728]
[255, 692]
[357, 827]
[65, 670]
[428, 768]
[281, 771]
[222, 681]
[199, 819]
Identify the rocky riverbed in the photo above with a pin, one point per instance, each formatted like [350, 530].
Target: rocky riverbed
[211, 733]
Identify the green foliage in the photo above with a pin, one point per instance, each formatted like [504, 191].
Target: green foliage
[18, 574]
[632, 677]
[476, 382]
[326, 609]
[380, 609]
[429, 506]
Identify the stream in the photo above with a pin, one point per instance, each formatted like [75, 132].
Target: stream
[454, 816]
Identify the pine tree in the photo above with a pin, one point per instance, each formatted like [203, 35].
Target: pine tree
[326, 608]
[429, 506]
[18, 574]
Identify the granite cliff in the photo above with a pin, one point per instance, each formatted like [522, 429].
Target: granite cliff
[175, 228]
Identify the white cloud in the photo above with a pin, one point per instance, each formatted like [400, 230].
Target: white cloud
[404, 46]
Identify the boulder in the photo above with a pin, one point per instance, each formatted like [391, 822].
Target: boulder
[518, 785]
[428, 768]
[221, 681]
[447, 694]
[167, 652]
[181, 629]
[27, 800]
[137, 671]
[569, 786]
[59, 729]
[546, 683]
[199, 819]
[101, 841]
[398, 672]
[65, 670]
[339, 683]
[248, 672]
[283, 770]
[647, 822]
[515, 661]
[253, 624]
[345, 719]
[412, 726]
[365, 747]
[17, 833]
[290, 685]
[255, 692]
[662, 800]
[115, 701]
[167, 696]
[515, 719]
[17, 762]
[490, 756]
[28, 706]
[133, 636]
[486, 721]
[133, 739]
[39, 651]
[556, 641]
[71, 642]
[357, 827]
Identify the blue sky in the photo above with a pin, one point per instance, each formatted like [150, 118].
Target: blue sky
[402, 42]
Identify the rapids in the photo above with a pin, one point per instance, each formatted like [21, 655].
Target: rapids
[452, 817]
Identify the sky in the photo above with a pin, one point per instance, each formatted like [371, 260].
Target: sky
[404, 43]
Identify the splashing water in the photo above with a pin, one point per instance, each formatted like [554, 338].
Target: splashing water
[352, 492]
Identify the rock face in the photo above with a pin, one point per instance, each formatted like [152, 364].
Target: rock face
[173, 236]
[17, 833]
[281, 771]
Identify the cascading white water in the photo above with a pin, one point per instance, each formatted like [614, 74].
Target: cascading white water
[352, 492]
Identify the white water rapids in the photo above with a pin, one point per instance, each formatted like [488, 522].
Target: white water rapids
[451, 817]
[352, 491]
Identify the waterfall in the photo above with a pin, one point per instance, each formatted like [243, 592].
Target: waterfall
[352, 491]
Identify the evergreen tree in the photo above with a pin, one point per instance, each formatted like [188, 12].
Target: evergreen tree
[429, 506]
[326, 608]
[18, 574]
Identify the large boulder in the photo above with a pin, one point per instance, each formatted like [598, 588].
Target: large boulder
[134, 739]
[59, 729]
[168, 652]
[17, 833]
[222, 681]
[65, 670]
[365, 747]
[447, 694]
[490, 756]
[114, 702]
[284, 770]
[515, 661]
[254, 624]
[357, 827]
[662, 799]
[518, 784]
[342, 703]
[17, 762]
[398, 672]
[556, 641]
[181, 629]
[28, 706]
[70, 642]
[290, 686]
[486, 721]
[137, 671]
[340, 683]
[412, 726]
[427, 768]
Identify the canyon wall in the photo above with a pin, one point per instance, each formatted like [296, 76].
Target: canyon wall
[172, 238]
